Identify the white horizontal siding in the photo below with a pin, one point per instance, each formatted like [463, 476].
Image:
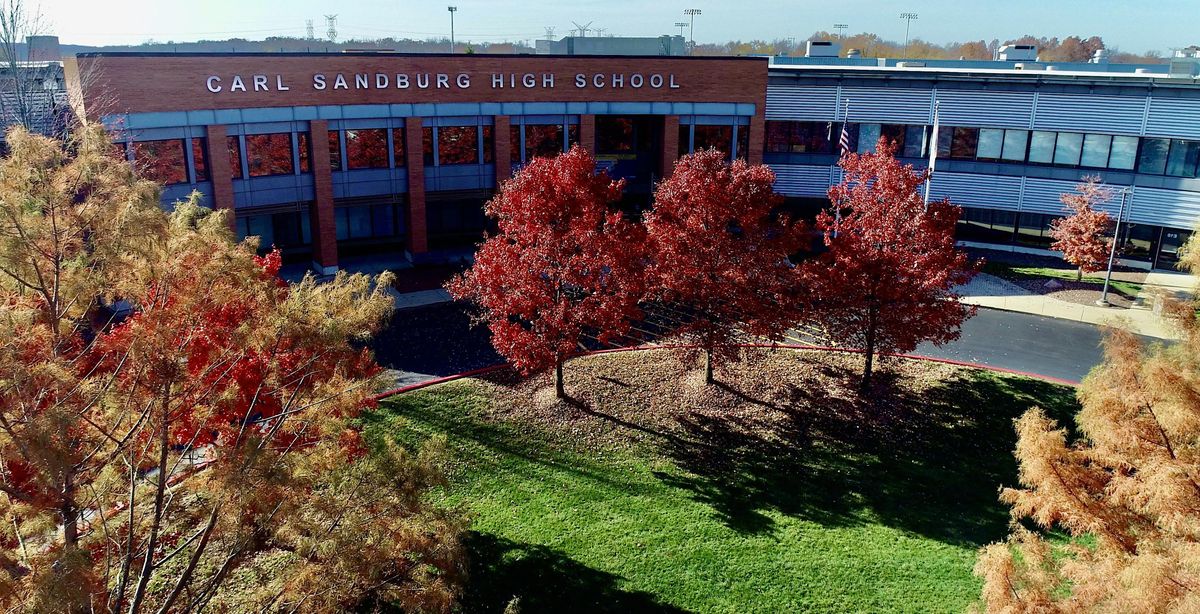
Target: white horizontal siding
[887, 105]
[1173, 208]
[801, 180]
[970, 190]
[985, 109]
[1174, 117]
[1045, 196]
[796, 102]
[1102, 114]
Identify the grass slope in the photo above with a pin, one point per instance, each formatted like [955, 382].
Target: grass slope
[652, 492]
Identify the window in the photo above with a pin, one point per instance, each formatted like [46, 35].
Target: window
[458, 145]
[986, 225]
[161, 161]
[1041, 147]
[366, 149]
[990, 144]
[1095, 150]
[572, 135]
[427, 145]
[1181, 161]
[803, 137]
[945, 138]
[914, 142]
[614, 135]
[235, 156]
[717, 137]
[743, 142]
[543, 141]
[269, 154]
[894, 134]
[283, 230]
[965, 143]
[304, 149]
[200, 158]
[1067, 148]
[400, 155]
[335, 151]
[1124, 152]
[1034, 229]
[778, 137]
[685, 140]
[1015, 142]
[489, 146]
[868, 137]
[1153, 160]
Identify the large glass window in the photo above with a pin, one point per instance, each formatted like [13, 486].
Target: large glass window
[1181, 161]
[615, 135]
[868, 137]
[965, 143]
[366, 148]
[427, 145]
[161, 161]
[986, 225]
[572, 135]
[365, 221]
[1096, 148]
[1067, 148]
[1015, 142]
[743, 143]
[489, 145]
[894, 134]
[235, 156]
[335, 151]
[1153, 160]
[304, 149]
[400, 155]
[514, 143]
[458, 145]
[1041, 147]
[544, 141]
[1034, 229]
[269, 154]
[805, 137]
[914, 142]
[685, 139]
[1124, 152]
[717, 137]
[283, 230]
[991, 144]
[200, 158]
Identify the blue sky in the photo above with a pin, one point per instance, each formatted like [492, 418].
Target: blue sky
[1128, 25]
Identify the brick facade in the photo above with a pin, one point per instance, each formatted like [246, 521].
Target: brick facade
[415, 150]
[220, 172]
[324, 227]
[670, 145]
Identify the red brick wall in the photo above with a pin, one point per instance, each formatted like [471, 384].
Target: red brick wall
[175, 82]
[670, 145]
[219, 170]
[324, 227]
[587, 133]
[503, 148]
[415, 150]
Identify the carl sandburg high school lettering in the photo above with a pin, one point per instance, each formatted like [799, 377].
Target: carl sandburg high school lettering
[379, 80]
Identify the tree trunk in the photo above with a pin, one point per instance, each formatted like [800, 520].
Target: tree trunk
[708, 366]
[869, 354]
[559, 389]
[1079, 274]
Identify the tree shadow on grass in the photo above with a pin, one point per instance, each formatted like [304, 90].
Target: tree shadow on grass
[930, 463]
[545, 579]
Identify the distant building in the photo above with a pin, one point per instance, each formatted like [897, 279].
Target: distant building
[614, 45]
[33, 88]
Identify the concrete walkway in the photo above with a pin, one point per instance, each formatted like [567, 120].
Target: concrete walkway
[995, 293]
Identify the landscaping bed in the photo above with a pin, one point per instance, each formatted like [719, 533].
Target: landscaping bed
[775, 490]
[1056, 278]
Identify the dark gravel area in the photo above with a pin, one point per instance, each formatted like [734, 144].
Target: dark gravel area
[435, 341]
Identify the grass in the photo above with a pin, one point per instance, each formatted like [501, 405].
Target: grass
[778, 492]
[1015, 272]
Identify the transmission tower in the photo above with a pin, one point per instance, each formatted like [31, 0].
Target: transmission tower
[331, 23]
[549, 33]
[583, 30]
[309, 32]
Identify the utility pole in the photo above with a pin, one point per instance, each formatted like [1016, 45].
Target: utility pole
[1112, 252]
[691, 13]
[681, 25]
[908, 17]
[453, 10]
[841, 29]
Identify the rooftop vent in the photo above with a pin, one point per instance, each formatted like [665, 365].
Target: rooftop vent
[822, 49]
[910, 64]
[1015, 53]
[853, 53]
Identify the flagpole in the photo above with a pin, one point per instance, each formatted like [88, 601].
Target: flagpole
[844, 147]
[933, 147]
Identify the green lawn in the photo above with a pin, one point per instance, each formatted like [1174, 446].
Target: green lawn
[829, 506]
[1015, 272]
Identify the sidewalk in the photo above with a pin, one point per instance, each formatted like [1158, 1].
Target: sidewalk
[994, 293]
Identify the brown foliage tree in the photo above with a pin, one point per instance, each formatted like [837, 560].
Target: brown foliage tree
[1081, 236]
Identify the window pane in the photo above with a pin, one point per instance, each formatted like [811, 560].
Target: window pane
[200, 158]
[235, 156]
[1067, 148]
[1181, 162]
[335, 151]
[778, 137]
[400, 155]
[1124, 152]
[894, 134]
[544, 141]
[1154, 156]
[1014, 145]
[717, 137]
[614, 134]
[1041, 147]
[743, 142]
[269, 154]
[685, 140]
[966, 141]
[366, 149]
[572, 135]
[823, 137]
[304, 149]
[1095, 150]
[381, 221]
[161, 161]
[458, 145]
[991, 142]
[427, 145]
[489, 146]
[914, 142]
[514, 143]
[945, 140]
[868, 137]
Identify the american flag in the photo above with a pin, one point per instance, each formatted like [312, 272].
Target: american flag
[846, 141]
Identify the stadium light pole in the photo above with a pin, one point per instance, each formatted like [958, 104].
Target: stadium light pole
[691, 13]
[453, 10]
[841, 28]
[681, 25]
[1112, 252]
[908, 17]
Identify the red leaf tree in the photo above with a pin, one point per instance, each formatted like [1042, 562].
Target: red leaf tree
[1082, 236]
[720, 253]
[564, 264]
[886, 282]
